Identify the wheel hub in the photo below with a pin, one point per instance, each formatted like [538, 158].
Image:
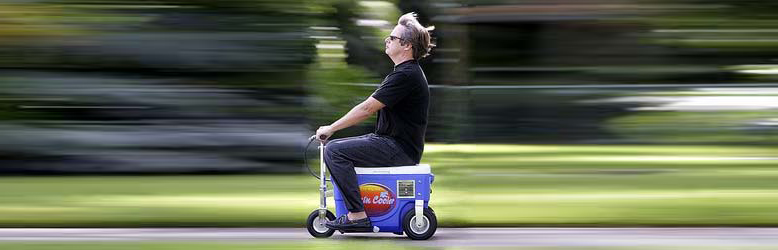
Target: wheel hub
[318, 225]
[425, 225]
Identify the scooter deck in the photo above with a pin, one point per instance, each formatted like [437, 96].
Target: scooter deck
[358, 230]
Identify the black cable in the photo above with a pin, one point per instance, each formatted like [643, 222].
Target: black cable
[305, 159]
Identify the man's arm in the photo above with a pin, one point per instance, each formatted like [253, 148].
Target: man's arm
[357, 114]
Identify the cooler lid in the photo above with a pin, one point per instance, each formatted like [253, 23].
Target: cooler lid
[414, 169]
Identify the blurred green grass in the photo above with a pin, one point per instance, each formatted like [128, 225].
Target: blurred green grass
[476, 185]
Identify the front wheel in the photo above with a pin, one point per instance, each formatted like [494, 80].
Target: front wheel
[316, 225]
[428, 226]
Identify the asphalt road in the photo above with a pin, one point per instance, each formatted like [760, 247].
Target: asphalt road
[445, 237]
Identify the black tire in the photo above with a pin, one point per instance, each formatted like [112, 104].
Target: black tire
[428, 228]
[317, 229]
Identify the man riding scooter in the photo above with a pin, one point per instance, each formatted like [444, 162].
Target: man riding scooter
[402, 103]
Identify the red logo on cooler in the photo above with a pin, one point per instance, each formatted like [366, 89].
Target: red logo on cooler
[378, 199]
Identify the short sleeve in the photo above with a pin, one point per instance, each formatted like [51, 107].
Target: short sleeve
[394, 88]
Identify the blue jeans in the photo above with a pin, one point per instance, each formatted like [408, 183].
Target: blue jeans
[370, 150]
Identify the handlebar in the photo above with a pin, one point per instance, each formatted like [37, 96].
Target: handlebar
[321, 137]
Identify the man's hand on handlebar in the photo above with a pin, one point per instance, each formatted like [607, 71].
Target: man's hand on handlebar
[324, 133]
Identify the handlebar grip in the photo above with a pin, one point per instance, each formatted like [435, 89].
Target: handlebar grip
[322, 137]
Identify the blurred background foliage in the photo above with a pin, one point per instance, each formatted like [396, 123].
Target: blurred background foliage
[236, 85]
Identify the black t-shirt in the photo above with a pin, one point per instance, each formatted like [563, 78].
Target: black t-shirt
[406, 96]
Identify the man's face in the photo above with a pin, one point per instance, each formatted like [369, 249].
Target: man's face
[392, 41]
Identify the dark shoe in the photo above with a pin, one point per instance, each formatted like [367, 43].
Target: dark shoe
[344, 224]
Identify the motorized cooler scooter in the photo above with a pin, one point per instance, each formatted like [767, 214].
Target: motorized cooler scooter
[396, 200]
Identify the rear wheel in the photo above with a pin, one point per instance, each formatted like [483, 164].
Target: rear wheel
[316, 225]
[429, 224]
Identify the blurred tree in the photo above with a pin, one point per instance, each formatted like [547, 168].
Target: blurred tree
[155, 86]
[497, 46]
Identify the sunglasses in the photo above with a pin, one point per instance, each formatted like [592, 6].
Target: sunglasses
[391, 38]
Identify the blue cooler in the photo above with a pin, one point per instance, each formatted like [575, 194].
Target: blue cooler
[389, 193]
